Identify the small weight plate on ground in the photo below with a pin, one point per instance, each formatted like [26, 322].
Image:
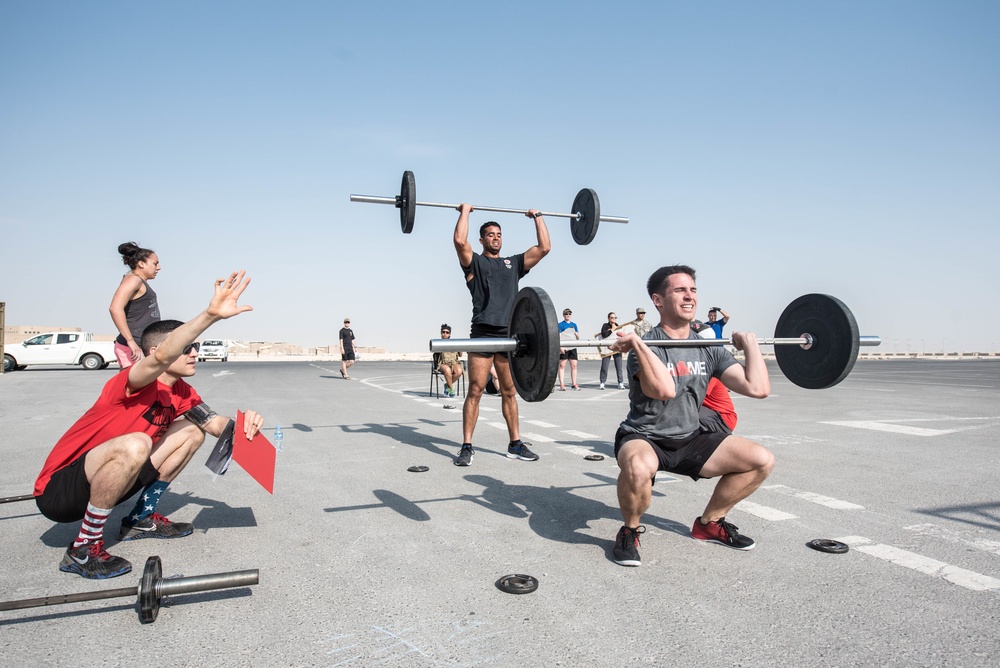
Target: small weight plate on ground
[417, 469]
[834, 349]
[407, 202]
[149, 602]
[517, 584]
[594, 458]
[584, 228]
[827, 545]
[533, 323]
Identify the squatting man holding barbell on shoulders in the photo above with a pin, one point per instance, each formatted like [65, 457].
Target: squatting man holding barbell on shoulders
[139, 435]
[661, 431]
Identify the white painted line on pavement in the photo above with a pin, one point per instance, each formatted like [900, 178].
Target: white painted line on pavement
[764, 512]
[577, 450]
[827, 501]
[498, 425]
[984, 544]
[539, 423]
[960, 576]
[900, 428]
[579, 434]
[535, 438]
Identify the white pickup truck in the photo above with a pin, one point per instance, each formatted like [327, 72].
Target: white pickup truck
[59, 348]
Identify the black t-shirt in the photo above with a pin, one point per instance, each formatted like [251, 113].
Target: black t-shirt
[347, 336]
[492, 282]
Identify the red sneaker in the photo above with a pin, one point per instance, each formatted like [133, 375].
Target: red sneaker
[722, 532]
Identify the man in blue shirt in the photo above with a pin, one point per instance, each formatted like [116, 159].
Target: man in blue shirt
[715, 324]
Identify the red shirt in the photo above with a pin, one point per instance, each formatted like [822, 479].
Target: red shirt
[717, 398]
[150, 411]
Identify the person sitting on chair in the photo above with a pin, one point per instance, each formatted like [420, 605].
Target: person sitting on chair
[449, 365]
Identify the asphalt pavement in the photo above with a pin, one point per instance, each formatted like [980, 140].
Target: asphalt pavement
[364, 563]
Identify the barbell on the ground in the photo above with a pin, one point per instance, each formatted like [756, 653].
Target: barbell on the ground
[816, 343]
[152, 587]
[585, 218]
[15, 499]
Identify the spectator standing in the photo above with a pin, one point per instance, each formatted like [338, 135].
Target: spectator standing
[640, 324]
[715, 323]
[134, 306]
[568, 331]
[607, 329]
[347, 355]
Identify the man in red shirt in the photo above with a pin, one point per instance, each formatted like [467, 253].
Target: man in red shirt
[132, 439]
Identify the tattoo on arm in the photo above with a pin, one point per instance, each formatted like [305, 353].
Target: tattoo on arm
[201, 414]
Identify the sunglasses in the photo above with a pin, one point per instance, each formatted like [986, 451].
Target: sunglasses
[191, 346]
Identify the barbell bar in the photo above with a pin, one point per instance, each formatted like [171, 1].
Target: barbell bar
[585, 218]
[816, 342]
[514, 345]
[152, 587]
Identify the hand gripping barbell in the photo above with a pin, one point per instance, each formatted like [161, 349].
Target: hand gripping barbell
[152, 587]
[816, 343]
[585, 217]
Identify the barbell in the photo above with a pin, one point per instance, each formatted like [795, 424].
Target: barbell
[816, 343]
[152, 587]
[585, 218]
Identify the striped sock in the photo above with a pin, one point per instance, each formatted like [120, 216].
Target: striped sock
[92, 529]
[147, 501]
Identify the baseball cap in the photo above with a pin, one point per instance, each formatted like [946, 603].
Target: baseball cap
[566, 310]
[640, 310]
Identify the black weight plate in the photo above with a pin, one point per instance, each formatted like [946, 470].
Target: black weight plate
[827, 545]
[149, 602]
[584, 228]
[407, 202]
[517, 584]
[835, 341]
[533, 323]
[417, 469]
[594, 458]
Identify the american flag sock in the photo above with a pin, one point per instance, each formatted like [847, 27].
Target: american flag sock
[146, 503]
[92, 529]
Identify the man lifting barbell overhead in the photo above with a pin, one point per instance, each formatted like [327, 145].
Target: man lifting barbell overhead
[492, 282]
[132, 439]
[661, 431]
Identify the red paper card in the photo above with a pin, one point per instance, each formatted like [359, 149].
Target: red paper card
[256, 457]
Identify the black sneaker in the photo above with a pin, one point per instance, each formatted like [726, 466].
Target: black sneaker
[519, 450]
[154, 526]
[627, 546]
[722, 532]
[464, 455]
[92, 562]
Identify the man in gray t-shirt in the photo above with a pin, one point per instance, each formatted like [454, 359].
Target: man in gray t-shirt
[661, 432]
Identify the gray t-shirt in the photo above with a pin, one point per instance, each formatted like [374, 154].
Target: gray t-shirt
[691, 368]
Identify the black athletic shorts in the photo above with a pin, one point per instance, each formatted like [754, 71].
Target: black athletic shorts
[347, 357]
[66, 496]
[684, 456]
[570, 354]
[487, 332]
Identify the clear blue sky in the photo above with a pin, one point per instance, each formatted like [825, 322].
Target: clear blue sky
[780, 148]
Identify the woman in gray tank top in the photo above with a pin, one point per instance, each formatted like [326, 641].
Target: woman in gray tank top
[134, 307]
